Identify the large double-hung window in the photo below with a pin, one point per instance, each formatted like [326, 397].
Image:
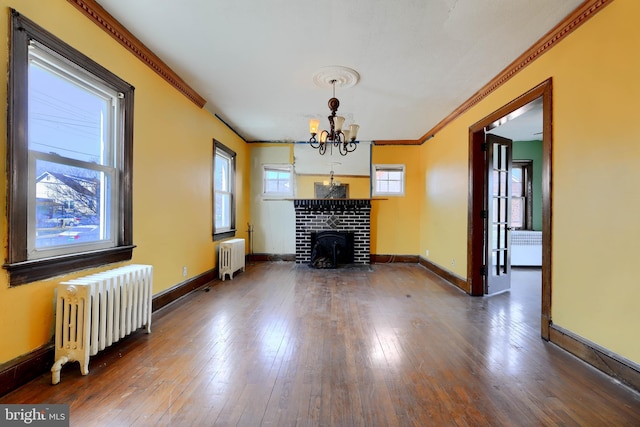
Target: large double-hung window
[72, 158]
[70, 137]
[522, 195]
[224, 205]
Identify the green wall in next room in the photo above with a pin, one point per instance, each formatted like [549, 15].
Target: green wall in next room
[532, 150]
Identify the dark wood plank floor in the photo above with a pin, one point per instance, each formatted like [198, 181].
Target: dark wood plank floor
[281, 345]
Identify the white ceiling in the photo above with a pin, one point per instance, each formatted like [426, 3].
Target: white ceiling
[418, 60]
[523, 124]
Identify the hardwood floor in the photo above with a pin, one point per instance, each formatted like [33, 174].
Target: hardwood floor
[393, 345]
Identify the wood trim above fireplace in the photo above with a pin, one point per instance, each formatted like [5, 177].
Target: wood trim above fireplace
[331, 204]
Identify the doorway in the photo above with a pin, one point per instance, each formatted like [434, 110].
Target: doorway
[480, 247]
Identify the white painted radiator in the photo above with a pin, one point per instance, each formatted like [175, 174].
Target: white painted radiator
[231, 257]
[95, 311]
[526, 248]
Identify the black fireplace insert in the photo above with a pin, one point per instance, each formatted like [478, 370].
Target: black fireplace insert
[329, 249]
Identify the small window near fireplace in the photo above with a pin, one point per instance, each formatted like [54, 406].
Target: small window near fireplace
[277, 180]
[388, 180]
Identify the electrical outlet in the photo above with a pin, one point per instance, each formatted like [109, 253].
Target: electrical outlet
[426, 253]
[453, 262]
[184, 271]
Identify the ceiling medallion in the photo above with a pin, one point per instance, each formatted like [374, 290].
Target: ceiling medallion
[343, 77]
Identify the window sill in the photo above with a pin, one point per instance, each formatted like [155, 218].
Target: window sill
[24, 272]
[224, 235]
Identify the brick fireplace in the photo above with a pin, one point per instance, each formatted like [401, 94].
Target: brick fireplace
[342, 215]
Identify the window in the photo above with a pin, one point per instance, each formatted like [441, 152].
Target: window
[277, 180]
[70, 144]
[224, 177]
[522, 195]
[388, 180]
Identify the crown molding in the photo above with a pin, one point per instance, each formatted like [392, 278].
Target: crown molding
[578, 17]
[109, 24]
[397, 142]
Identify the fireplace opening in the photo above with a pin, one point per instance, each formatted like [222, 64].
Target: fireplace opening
[329, 249]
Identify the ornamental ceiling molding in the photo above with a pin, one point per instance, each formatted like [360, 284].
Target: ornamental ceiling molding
[343, 77]
[115, 29]
[582, 14]
[574, 20]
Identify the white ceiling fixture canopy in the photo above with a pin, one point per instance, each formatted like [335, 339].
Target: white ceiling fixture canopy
[343, 77]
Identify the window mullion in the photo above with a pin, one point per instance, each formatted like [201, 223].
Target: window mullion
[54, 158]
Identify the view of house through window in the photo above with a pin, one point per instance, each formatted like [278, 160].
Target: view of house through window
[71, 147]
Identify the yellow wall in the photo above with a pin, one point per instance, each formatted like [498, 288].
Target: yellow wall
[171, 177]
[596, 171]
[444, 206]
[395, 220]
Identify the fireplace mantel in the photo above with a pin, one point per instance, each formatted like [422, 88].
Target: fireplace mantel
[331, 204]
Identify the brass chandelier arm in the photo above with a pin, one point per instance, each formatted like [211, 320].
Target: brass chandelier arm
[313, 141]
[347, 147]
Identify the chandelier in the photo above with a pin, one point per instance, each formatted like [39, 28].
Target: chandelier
[344, 140]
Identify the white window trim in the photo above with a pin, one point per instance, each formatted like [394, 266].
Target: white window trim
[52, 63]
[280, 166]
[387, 167]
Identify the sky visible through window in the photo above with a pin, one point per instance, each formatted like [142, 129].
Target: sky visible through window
[64, 118]
[69, 119]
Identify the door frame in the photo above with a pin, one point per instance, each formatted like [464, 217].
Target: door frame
[476, 224]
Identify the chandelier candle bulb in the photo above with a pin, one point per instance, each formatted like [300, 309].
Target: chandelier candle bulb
[353, 131]
[313, 126]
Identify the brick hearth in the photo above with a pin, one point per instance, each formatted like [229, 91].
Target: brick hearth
[333, 214]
